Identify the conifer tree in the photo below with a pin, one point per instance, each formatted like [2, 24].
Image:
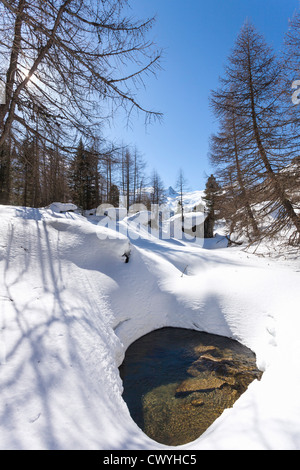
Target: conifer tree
[181, 185]
[211, 192]
[114, 195]
[158, 193]
[252, 78]
[83, 177]
[291, 88]
[229, 156]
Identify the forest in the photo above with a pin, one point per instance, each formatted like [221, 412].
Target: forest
[67, 67]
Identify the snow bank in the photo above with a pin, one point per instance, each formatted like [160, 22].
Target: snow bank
[62, 207]
[70, 306]
[115, 213]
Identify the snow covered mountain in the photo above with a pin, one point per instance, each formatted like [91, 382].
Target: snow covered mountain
[191, 199]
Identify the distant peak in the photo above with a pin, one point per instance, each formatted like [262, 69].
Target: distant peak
[171, 191]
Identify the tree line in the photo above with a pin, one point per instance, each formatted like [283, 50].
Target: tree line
[34, 176]
[66, 67]
[115, 176]
[255, 151]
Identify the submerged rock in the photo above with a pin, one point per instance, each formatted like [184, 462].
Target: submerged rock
[197, 402]
[202, 349]
[185, 381]
[209, 362]
[199, 384]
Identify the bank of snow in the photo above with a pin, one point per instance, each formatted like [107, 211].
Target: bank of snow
[70, 306]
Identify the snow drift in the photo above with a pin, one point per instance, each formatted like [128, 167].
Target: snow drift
[70, 306]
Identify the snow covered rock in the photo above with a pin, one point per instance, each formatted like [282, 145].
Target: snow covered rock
[62, 207]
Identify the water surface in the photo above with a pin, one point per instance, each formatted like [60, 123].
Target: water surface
[178, 381]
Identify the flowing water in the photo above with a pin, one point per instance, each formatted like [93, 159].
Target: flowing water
[178, 381]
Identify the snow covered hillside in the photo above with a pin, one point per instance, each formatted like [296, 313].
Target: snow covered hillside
[191, 199]
[71, 305]
[172, 199]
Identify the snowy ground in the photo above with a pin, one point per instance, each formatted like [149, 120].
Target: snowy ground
[70, 306]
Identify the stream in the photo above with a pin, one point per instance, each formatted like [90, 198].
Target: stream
[177, 382]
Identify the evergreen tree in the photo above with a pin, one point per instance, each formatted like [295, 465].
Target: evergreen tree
[114, 195]
[211, 193]
[84, 178]
[76, 176]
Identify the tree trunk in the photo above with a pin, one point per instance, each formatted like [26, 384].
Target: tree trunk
[209, 227]
[242, 186]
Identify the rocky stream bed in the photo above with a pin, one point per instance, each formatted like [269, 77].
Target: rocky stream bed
[175, 402]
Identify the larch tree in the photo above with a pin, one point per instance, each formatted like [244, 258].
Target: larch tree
[5, 172]
[109, 161]
[139, 166]
[229, 155]
[127, 178]
[252, 78]
[158, 190]
[291, 94]
[181, 186]
[292, 48]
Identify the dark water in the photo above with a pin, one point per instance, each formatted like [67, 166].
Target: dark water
[177, 381]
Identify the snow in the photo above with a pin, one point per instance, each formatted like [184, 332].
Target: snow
[62, 207]
[190, 199]
[70, 306]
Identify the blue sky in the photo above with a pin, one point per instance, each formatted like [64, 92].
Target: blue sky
[197, 37]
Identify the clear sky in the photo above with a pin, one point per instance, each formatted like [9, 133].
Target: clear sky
[197, 37]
